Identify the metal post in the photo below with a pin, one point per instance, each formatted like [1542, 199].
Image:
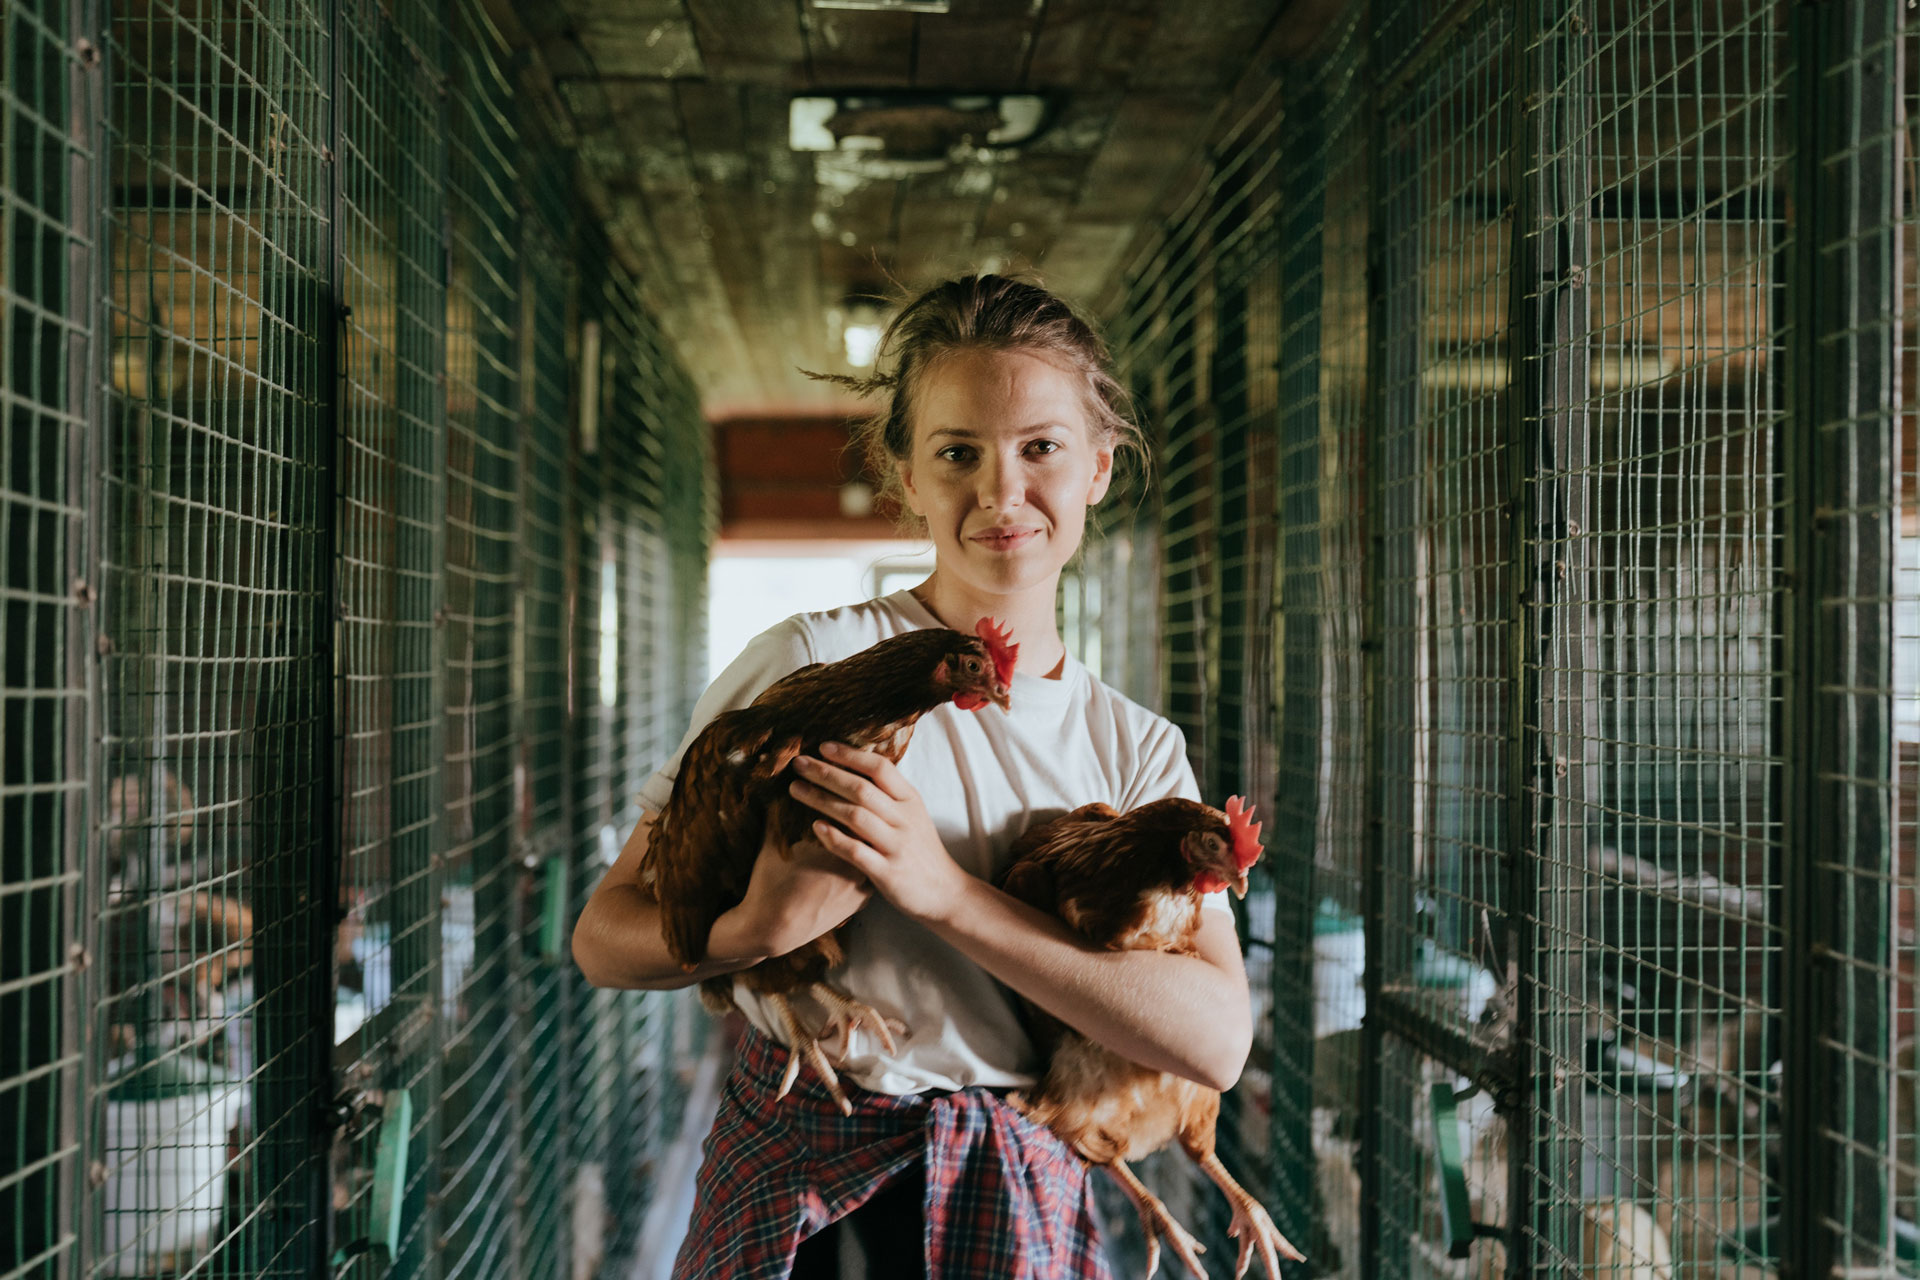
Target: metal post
[1394, 289]
[1302, 657]
[85, 356]
[1548, 445]
[1839, 465]
[324, 874]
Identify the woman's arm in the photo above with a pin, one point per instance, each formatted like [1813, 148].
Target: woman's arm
[789, 902]
[1184, 1014]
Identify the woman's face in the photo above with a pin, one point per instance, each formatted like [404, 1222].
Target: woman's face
[1004, 466]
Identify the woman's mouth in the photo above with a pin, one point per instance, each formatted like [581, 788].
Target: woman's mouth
[1005, 539]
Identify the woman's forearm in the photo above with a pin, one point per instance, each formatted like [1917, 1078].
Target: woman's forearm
[1184, 1014]
[617, 943]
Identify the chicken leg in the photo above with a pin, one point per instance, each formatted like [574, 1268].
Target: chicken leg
[1252, 1226]
[1155, 1222]
[846, 1013]
[802, 1043]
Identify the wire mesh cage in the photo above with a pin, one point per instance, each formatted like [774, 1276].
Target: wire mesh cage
[303, 595]
[1589, 948]
[1533, 536]
[51, 275]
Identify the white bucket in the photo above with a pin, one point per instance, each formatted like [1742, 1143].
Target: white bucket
[167, 1125]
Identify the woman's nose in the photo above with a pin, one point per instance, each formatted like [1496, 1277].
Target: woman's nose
[1001, 484]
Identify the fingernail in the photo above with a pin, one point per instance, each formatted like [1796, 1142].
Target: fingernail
[830, 746]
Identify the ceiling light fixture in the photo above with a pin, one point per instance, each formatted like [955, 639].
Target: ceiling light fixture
[887, 6]
[863, 344]
[916, 125]
[1606, 371]
[862, 327]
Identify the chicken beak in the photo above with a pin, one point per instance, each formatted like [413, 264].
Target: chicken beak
[1238, 884]
[1002, 696]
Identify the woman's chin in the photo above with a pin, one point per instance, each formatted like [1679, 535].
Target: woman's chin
[1004, 572]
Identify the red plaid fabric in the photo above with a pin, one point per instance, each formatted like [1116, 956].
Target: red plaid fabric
[1005, 1197]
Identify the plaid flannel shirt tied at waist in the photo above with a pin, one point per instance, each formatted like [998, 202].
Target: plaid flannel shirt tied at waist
[1005, 1197]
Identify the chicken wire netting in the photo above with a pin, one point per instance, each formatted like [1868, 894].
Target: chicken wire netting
[209, 1060]
[50, 278]
[1589, 941]
[301, 788]
[1658, 644]
[1315, 852]
[392, 489]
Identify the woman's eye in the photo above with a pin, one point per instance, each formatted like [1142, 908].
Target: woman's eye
[953, 453]
[1044, 446]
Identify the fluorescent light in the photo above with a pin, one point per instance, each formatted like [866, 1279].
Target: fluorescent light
[590, 387]
[887, 6]
[1604, 372]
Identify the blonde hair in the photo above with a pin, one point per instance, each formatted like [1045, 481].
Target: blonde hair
[983, 313]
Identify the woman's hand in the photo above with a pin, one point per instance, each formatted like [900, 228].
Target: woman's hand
[793, 899]
[883, 829]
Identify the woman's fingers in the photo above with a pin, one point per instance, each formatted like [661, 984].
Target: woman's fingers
[849, 814]
[839, 843]
[845, 783]
[883, 772]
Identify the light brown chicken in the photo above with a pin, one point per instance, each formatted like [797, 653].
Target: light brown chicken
[1134, 882]
[731, 796]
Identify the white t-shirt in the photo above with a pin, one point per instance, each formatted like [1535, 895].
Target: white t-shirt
[986, 776]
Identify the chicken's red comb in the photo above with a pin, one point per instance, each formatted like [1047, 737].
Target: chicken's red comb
[1245, 832]
[999, 644]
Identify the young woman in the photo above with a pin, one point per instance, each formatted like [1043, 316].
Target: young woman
[1000, 431]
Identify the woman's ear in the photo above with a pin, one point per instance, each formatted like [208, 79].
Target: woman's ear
[908, 492]
[1102, 474]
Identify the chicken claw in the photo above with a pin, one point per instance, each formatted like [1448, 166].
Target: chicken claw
[1155, 1222]
[846, 1013]
[1252, 1225]
[805, 1044]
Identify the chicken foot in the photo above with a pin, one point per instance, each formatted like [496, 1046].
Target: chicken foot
[843, 1013]
[803, 1043]
[1252, 1225]
[846, 1013]
[1155, 1222]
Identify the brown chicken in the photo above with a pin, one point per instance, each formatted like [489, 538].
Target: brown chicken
[731, 797]
[1133, 882]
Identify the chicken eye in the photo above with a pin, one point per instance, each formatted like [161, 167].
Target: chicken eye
[973, 666]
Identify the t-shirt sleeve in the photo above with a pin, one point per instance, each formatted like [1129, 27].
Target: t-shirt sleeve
[1166, 772]
[776, 652]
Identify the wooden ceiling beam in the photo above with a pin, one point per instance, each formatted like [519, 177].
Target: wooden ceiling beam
[750, 41]
[859, 49]
[979, 45]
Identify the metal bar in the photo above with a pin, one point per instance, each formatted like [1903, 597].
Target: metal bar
[1393, 360]
[429, 1248]
[1301, 658]
[87, 181]
[1548, 433]
[1805, 1240]
[1401, 1014]
[1844, 260]
[325, 872]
